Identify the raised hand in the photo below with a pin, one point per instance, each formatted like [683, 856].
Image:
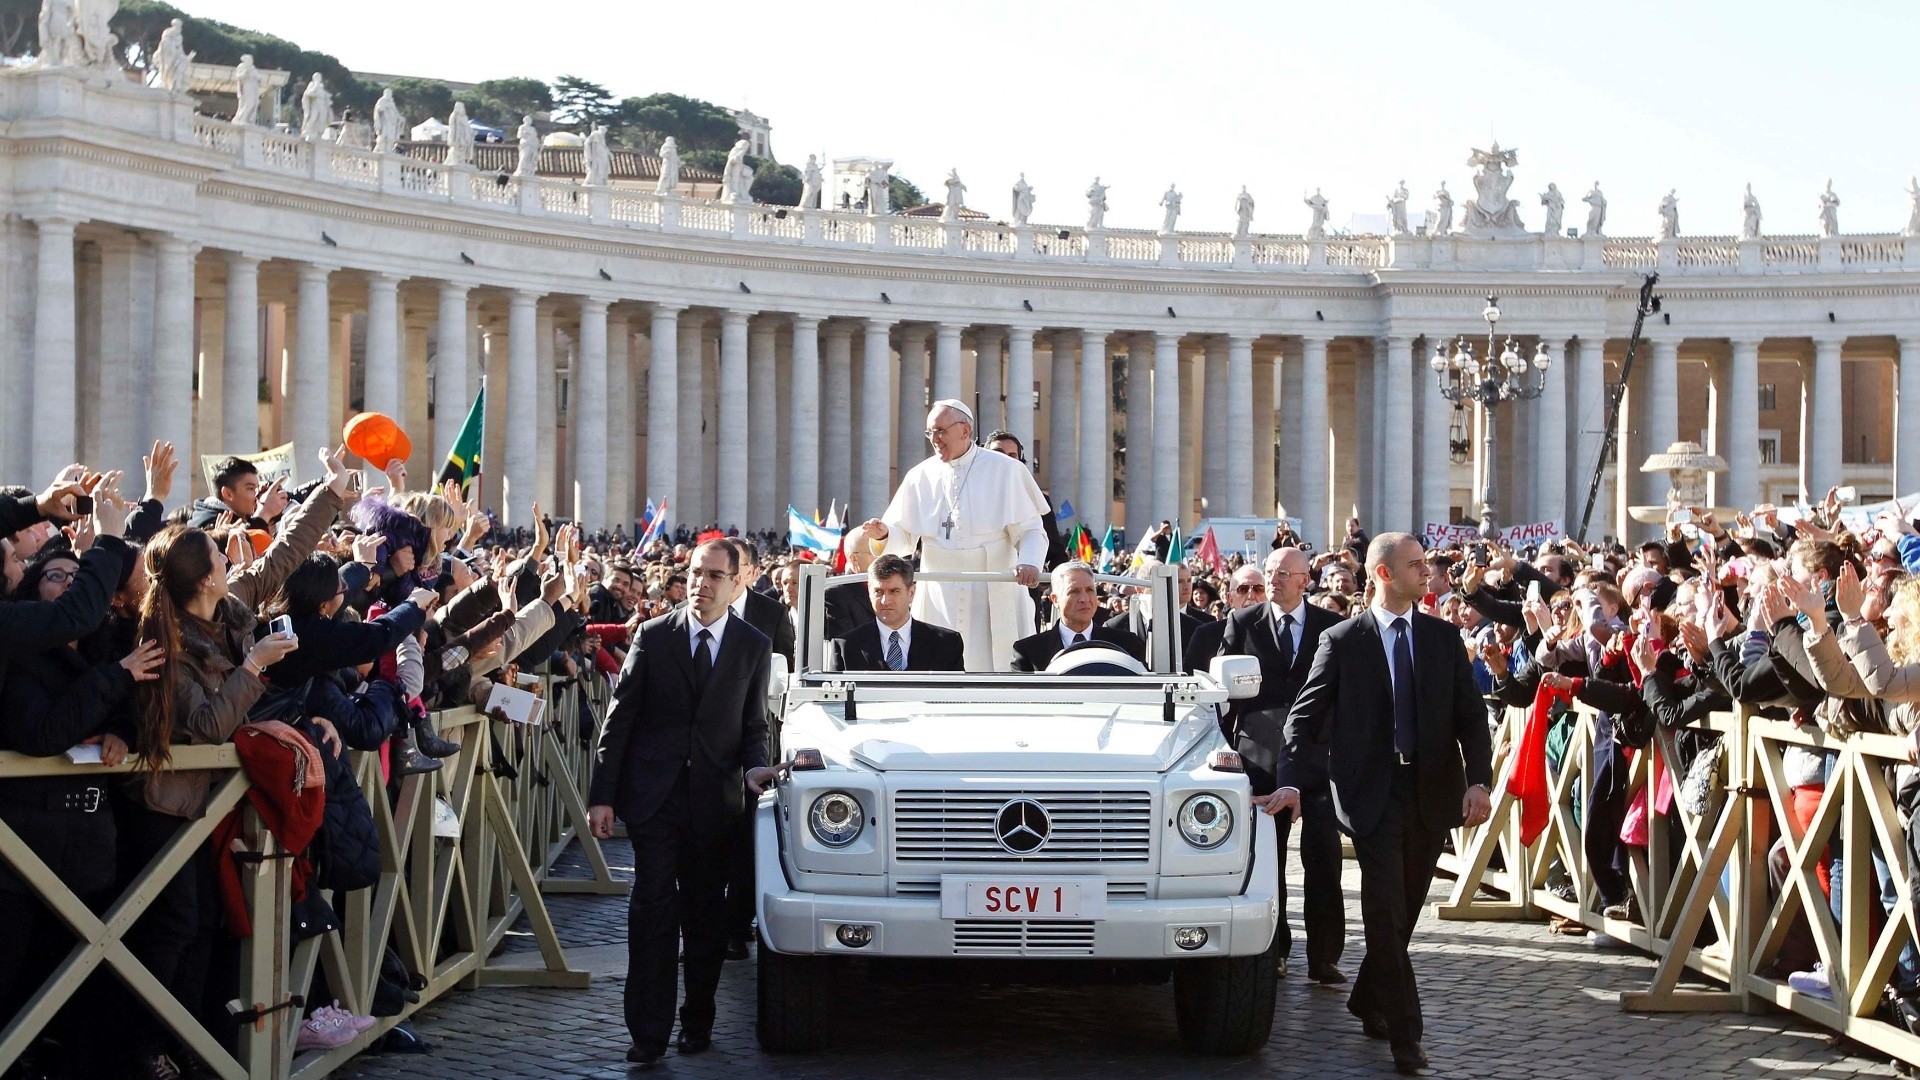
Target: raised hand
[55, 503]
[143, 663]
[273, 501]
[1848, 593]
[160, 465]
[335, 464]
[366, 547]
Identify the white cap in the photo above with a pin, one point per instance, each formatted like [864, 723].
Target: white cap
[957, 406]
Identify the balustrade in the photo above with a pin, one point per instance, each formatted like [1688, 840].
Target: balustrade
[1713, 253]
[1630, 255]
[358, 167]
[777, 223]
[1133, 246]
[559, 197]
[988, 240]
[919, 235]
[1792, 251]
[634, 209]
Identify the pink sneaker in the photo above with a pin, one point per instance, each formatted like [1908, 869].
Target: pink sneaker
[324, 1032]
[358, 1023]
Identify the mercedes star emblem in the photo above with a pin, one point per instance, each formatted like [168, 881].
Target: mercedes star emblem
[1022, 826]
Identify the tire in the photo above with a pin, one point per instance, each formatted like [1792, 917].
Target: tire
[1223, 1005]
[793, 996]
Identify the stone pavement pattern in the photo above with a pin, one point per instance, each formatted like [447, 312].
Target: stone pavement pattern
[1502, 1000]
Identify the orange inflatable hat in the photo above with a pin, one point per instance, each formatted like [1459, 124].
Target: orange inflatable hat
[376, 438]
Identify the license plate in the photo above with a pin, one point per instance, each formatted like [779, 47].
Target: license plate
[1016, 897]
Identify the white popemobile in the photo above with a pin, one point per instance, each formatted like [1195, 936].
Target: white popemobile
[1090, 817]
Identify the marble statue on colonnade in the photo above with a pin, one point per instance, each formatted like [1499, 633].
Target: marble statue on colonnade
[316, 109]
[1597, 212]
[1913, 206]
[1556, 205]
[669, 181]
[1670, 216]
[1397, 209]
[389, 127]
[93, 21]
[1097, 205]
[1443, 212]
[598, 160]
[1829, 212]
[736, 176]
[528, 138]
[59, 40]
[879, 190]
[1022, 200]
[956, 197]
[1750, 216]
[171, 61]
[810, 184]
[246, 90]
[1317, 224]
[1491, 212]
[1242, 213]
[1170, 203]
[459, 136]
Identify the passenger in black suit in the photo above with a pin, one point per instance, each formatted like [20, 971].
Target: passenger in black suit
[769, 616]
[1391, 709]
[847, 604]
[1283, 635]
[1247, 586]
[683, 753]
[922, 646]
[1077, 600]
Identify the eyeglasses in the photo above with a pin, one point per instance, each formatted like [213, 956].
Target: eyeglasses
[1250, 587]
[57, 576]
[939, 432]
[1282, 575]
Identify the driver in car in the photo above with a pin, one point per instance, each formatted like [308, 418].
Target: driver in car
[1077, 600]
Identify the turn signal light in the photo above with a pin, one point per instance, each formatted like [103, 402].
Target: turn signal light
[1223, 761]
[808, 759]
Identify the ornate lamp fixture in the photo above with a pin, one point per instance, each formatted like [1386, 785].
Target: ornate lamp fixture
[1489, 379]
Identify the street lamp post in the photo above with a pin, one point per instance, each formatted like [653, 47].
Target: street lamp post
[1488, 380]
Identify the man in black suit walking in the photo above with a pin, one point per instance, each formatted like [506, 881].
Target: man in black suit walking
[895, 640]
[1283, 633]
[683, 750]
[1077, 599]
[1392, 709]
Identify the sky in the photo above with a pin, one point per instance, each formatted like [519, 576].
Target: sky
[1280, 96]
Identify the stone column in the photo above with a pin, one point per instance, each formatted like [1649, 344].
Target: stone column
[763, 408]
[690, 449]
[1436, 415]
[382, 379]
[1213, 438]
[170, 406]
[989, 407]
[1826, 418]
[1906, 419]
[946, 361]
[1313, 509]
[1395, 376]
[1263, 416]
[521, 399]
[1020, 385]
[911, 415]
[1063, 420]
[1741, 481]
[1549, 458]
[621, 449]
[663, 411]
[1590, 390]
[731, 496]
[1190, 439]
[1166, 428]
[1096, 441]
[422, 465]
[1140, 500]
[115, 391]
[836, 400]
[803, 480]
[54, 419]
[875, 488]
[1289, 478]
[314, 425]
[588, 432]
[546, 428]
[1239, 424]
[1661, 427]
[209, 415]
[240, 430]
[452, 397]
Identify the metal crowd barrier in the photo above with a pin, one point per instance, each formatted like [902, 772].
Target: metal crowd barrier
[443, 904]
[1712, 874]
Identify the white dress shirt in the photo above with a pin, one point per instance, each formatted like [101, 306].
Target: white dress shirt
[1383, 619]
[1299, 614]
[1067, 636]
[718, 628]
[886, 638]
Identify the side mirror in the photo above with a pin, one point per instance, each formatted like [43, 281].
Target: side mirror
[1238, 675]
[777, 683]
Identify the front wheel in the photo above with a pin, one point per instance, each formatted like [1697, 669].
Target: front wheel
[793, 995]
[1223, 1005]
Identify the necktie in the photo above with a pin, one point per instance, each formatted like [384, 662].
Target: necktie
[1286, 643]
[1080, 638]
[895, 658]
[702, 658]
[1405, 738]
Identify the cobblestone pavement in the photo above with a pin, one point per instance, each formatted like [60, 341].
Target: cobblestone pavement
[1502, 1000]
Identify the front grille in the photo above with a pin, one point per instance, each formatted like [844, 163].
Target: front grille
[1022, 937]
[929, 889]
[1087, 826]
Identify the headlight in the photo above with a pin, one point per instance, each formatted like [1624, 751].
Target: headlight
[1205, 820]
[836, 819]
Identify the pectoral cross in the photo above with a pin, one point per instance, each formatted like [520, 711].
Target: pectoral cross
[946, 527]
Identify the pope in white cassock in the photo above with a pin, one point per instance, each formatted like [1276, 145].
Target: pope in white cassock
[968, 508]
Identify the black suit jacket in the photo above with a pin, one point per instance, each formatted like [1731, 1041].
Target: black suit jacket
[1204, 645]
[848, 607]
[1255, 725]
[659, 723]
[769, 616]
[1036, 652]
[932, 648]
[1343, 715]
[1130, 621]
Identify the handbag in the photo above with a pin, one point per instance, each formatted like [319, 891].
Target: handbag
[1702, 791]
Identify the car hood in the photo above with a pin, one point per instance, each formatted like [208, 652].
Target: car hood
[954, 738]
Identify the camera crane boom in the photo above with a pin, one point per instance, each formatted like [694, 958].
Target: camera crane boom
[1648, 304]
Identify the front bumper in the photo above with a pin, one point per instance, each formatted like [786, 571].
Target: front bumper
[797, 922]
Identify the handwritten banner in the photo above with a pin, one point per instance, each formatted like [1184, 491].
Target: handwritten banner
[1438, 534]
